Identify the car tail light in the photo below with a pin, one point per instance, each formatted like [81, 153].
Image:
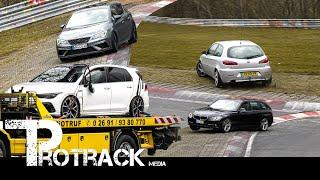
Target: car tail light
[265, 61]
[229, 63]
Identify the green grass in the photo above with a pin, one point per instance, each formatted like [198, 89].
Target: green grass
[179, 47]
[15, 39]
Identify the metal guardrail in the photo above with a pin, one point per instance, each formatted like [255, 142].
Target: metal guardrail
[41, 12]
[284, 23]
[11, 8]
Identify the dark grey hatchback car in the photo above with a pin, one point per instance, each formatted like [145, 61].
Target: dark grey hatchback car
[96, 29]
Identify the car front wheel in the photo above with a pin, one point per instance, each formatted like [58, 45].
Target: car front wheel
[114, 43]
[226, 126]
[70, 107]
[134, 36]
[200, 70]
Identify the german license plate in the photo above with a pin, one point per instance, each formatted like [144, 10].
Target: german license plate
[249, 74]
[199, 122]
[80, 46]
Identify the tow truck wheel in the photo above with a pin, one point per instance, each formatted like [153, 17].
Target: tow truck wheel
[126, 142]
[136, 107]
[3, 151]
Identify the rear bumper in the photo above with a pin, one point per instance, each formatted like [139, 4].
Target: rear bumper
[234, 75]
[93, 48]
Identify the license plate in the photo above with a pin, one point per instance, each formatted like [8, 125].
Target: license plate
[80, 46]
[199, 122]
[249, 74]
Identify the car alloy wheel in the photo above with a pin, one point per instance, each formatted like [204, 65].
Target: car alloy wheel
[137, 107]
[264, 125]
[226, 125]
[200, 70]
[70, 107]
[217, 79]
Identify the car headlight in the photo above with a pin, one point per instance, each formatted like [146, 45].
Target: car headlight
[216, 118]
[190, 115]
[48, 96]
[99, 36]
[62, 42]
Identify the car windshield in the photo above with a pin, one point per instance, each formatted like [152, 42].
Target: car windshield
[245, 52]
[61, 74]
[226, 105]
[87, 18]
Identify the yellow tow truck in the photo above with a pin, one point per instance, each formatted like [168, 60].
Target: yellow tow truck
[111, 133]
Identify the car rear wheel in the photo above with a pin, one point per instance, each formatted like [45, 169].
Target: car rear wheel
[217, 80]
[136, 107]
[226, 126]
[194, 128]
[200, 70]
[70, 107]
[264, 125]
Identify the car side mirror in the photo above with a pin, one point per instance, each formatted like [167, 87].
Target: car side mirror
[91, 89]
[204, 52]
[62, 26]
[241, 110]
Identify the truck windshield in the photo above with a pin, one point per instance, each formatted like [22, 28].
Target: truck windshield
[61, 74]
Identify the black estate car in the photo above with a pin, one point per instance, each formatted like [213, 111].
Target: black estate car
[228, 114]
[96, 29]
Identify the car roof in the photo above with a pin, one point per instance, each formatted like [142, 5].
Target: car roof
[233, 43]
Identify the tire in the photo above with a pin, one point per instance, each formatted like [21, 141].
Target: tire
[4, 153]
[217, 80]
[264, 125]
[267, 82]
[70, 107]
[200, 70]
[114, 43]
[151, 152]
[226, 126]
[136, 107]
[194, 128]
[126, 142]
[134, 35]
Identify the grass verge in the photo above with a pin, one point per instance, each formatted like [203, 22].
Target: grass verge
[169, 53]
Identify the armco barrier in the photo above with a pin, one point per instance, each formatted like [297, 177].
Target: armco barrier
[285, 23]
[30, 13]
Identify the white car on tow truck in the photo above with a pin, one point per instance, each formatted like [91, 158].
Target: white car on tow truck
[78, 90]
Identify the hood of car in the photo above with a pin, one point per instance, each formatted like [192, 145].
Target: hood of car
[45, 87]
[84, 31]
[209, 112]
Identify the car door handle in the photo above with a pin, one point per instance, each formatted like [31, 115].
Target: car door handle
[107, 88]
[129, 87]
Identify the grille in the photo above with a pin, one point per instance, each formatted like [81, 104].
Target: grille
[49, 107]
[79, 41]
[200, 117]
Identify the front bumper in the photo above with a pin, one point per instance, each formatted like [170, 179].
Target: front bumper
[234, 75]
[53, 106]
[204, 124]
[92, 48]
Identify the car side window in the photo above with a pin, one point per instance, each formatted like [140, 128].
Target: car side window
[218, 51]
[255, 106]
[118, 75]
[263, 106]
[97, 76]
[212, 49]
[246, 106]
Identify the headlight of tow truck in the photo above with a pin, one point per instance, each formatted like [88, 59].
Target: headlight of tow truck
[48, 96]
[216, 118]
[62, 42]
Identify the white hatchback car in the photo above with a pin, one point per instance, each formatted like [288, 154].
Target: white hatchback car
[74, 90]
[235, 61]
